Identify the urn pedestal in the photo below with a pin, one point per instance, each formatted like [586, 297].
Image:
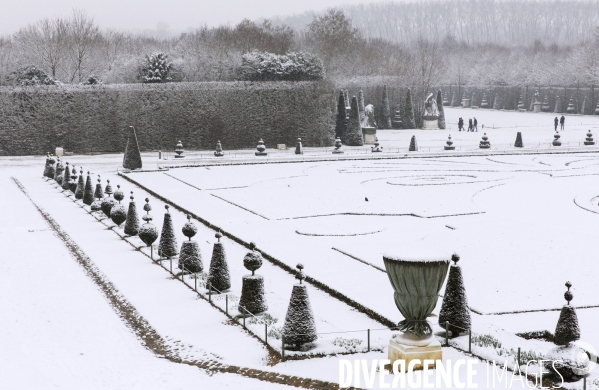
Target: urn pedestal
[430, 124]
[398, 351]
[369, 134]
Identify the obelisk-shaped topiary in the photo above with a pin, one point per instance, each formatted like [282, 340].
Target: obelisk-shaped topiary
[567, 329]
[168, 242]
[49, 171]
[98, 194]
[59, 171]
[341, 115]
[354, 136]
[385, 110]
[299, 325]
[218, 275]
[148, 232]
[108, 202]
[518, 143]
[88, 193]
[361, 108]
[132, 223]
[118, 213]
[73, 182]
[346, 98]
[413, 144]
[66, 177]
[80, 186]
[45, 174]
[252, 289]
[190, 256]
[558, 105]
[408, 118]
[299, 149]
[132, 158]
[455, 304]
[441, 121]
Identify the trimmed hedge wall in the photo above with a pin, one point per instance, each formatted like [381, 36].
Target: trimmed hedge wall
[84, 119]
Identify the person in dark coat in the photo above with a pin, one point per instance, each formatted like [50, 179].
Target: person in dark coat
[470, 127]
[461, 124]
[475, 124]
[555, 122]
[562, 120]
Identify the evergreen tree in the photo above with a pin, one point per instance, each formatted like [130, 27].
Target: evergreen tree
[518, 143]
[118, 214]
[340, 121]
[361, 109]
[455, 304]
[132, 224]
[385, 110]
[441, 111]
[354, 136]
[50, 171]
[168, 242]
[299, 325]
[567, 329]
[413, 144]
[408, 118]
[252, 290]
[132, 158]
[190, 257]
[66, 177]
[156, 68]
[218, 275]
[45, 174]
[80, 186]
[88, 194]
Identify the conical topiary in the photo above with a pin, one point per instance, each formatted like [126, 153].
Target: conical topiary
[521, 103]
[299, 325]
[132, 158]
[218, 275]
[252, 289]
[409, 121]
[107, 202]
[441, 121]
[79, 191]
[148, 232]
[219, 150]
[361, 109]
[132, 223]
[45, 174]
[455, 304]
[299, 149]
[518, 143]
[413, 144]
[567, 329]
[346, 99]
[179, 150]
[354, 136]
[571, 109]
[597, 108]
[59, 171]
[98, 194]
[73, 183]
[341, 116]
[454, 100]
[118, 213]
[558, 105]
[385, 110]
[190, 258]
[168, 242]
[545, 106]
[397, 122]
[66, 177]
[88, 193]
[485, 102]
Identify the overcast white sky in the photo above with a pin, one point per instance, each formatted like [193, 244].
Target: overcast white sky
[136, 15]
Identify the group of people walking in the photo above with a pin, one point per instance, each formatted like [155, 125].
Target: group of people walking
[561, 121]
[472, 124]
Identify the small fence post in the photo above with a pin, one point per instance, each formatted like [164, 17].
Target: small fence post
[447, 333]
[227, 304]
[584, 383]
[282, 347]
[368, 340]
[210, 293]
[244, 319]
[152, 252]
[171, 260]
[518, 356]
[196, 283]
[469, 340]
[266, 334]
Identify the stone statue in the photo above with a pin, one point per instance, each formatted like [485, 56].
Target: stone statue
[431, 111]
[537, 96]
[369, 117]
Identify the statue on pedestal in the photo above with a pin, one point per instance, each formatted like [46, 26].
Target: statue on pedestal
[430, 117]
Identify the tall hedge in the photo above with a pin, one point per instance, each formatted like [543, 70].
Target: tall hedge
[87, 119]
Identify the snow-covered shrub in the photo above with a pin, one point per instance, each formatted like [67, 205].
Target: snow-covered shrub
[148, 232]
[168, 242]
[351, 345]
[93, 80]
[252, 289]
[88, 192]
[190, 256]
[485, 340]
[264, 319]
[156, 68]
[299, 327]
[353, 134]
[218, 275]
[263, 66]
[454, 308]
[80, 190]
[132, 224]
[29, 76]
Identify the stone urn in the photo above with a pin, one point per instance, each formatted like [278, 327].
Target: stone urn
[416, 281]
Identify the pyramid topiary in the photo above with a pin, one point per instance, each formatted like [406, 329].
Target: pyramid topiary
[80, 190]
[409, 121]
[413, 144]
[252, 290]
[361, 109]
[190, 256]
[299, 149]
[49, 170]
[179, 150]
[346, 99]
[455, 304]
[385, 110]
[485, 102]
[168, 242]
[571, 109]
[45, 174]
[518, 143]
[341, 116]
[521, 103]
[396, 121]
[118, 213]
[299, 325]
[88, 193]
[567, 329]
[558, 105]
[107, 202]
[218, 275]
[441, 121]
[98, 194]
[148, 232]
[58, 172]
[132, 224]
[66, 177]
[73, 182]
[454, 100]
[132, 158]
[354, 136]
